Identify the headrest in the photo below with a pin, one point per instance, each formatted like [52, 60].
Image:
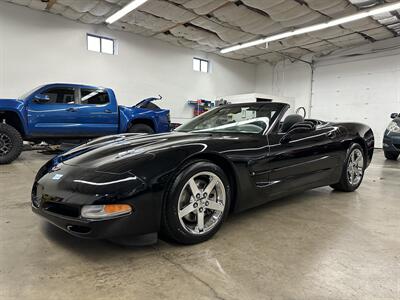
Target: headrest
[290, 120]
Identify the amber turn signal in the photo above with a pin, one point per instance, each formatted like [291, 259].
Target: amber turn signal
[105, 211]
[116, 208]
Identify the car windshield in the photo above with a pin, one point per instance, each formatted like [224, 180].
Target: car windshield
[22, 97]
[237, 118]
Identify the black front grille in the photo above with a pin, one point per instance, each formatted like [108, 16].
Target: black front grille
[61, 209]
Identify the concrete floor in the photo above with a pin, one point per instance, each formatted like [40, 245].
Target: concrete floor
[316, 245]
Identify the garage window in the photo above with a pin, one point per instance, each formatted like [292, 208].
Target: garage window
[201, 65]
[100, 44]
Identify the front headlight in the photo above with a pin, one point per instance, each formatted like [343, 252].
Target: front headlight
[393, 127]
[105, 211]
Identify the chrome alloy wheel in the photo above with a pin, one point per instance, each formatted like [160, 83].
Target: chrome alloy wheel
[201, 203]
[355, 167]
[5, 144]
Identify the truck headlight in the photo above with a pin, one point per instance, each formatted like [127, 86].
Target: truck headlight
[393, 127]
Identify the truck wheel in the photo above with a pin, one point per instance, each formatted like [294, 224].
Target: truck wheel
[140, 128]
[10, 144]
[391, 155]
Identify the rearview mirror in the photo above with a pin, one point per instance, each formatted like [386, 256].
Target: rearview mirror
[41, 99]
[394, 115]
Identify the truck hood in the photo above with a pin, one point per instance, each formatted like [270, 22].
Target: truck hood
[11, 104]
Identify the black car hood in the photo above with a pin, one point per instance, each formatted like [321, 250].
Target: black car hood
[112, 149]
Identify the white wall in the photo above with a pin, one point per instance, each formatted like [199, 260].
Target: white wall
[360, 85]
[38, 47]
[366, 90]
[264, 78]
[291, 81]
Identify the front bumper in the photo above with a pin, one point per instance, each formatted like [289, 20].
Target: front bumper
[391, 142]
[60, 203]
[143, 219]
[96, 229]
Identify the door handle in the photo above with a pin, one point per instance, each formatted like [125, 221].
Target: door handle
[108, 111]
[71, 109]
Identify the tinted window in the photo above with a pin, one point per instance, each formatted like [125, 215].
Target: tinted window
[93, 96]
[60, 95]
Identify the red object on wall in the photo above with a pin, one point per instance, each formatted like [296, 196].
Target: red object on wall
[200, 106]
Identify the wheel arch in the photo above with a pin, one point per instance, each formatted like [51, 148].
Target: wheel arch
[224, 164]
[145, 121]
[13, 119]
[359, 140]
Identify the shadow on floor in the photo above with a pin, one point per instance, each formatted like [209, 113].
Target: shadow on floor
[100, 249]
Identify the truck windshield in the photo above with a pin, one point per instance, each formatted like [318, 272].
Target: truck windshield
[22, 97]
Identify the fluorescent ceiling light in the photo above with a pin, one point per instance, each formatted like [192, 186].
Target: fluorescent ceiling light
[125, 10]
[281, 36]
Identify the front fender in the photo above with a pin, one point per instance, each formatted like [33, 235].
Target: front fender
[16, 107]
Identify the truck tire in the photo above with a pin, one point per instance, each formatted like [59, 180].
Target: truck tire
[10, 144]
[140, 128]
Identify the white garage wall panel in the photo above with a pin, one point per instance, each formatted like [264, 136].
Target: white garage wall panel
[38, 47]
[365, 91]
[286, 80]
[293, 80]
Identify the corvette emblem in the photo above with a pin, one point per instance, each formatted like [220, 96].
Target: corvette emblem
[57, 176]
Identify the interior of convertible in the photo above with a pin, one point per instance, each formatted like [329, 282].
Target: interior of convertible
[296, 121]
[249, 119]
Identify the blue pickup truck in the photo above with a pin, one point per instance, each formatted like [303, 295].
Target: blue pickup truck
[58, 112]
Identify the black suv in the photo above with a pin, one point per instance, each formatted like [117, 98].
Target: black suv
[391, 140]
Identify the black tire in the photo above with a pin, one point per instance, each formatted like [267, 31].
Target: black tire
[391, 155]
[345, 184]
[10, 144]
[171, 226]
[140, 128]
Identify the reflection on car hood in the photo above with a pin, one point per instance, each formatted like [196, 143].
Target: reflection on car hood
[133, 146]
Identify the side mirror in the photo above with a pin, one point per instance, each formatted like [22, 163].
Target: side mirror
[41, 99]
[296, 129]
[394, 115]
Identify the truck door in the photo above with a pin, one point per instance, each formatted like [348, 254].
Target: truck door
[53, 112]
[98, 113]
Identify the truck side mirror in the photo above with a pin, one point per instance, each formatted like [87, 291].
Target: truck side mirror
[394, 115]
[41, 99]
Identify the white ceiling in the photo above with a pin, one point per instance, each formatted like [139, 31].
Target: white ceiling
[210, 25]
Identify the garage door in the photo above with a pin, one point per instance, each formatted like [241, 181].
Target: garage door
[365, 91]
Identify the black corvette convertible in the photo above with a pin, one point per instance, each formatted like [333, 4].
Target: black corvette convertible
[184, 184]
